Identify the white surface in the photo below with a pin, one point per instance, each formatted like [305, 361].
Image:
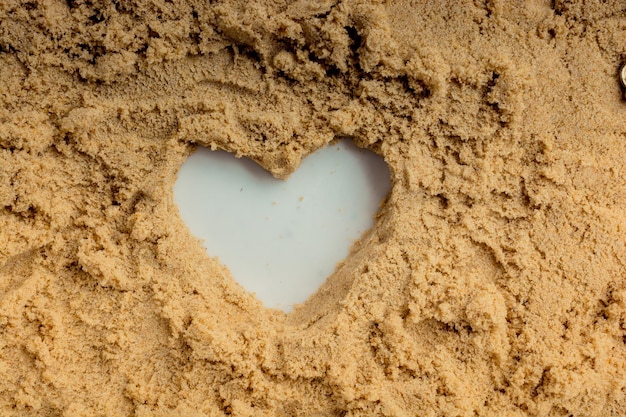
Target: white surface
[281, 239]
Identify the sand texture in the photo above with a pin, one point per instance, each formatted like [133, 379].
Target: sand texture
[492, 284]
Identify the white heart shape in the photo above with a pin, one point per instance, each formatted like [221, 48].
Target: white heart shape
[281, 239]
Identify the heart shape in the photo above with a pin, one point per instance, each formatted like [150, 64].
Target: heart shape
[281, 239]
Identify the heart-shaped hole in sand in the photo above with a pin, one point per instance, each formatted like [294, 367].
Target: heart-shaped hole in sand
[282, 239]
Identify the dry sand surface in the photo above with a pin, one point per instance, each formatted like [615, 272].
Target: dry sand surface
[492, 284]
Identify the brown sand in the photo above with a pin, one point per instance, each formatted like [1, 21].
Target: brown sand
[492, 284]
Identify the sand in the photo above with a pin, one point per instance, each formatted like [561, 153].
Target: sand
[493, 281]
